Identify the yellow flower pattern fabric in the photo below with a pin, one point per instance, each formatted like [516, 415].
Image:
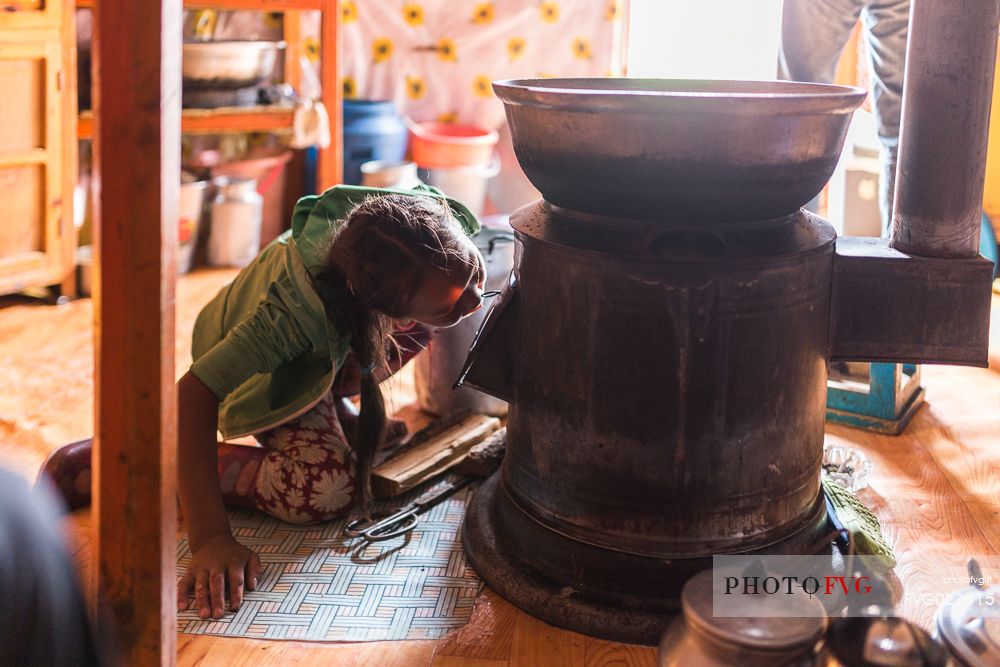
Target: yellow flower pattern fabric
[413, 13]
[437, 59]
[613, 11]
[515, 48]
[415, 87]
[483, 85]
[550, 11]
[381, 49]
[348, 12]
[350, 87]
[311, 48]
[483, 13]
[446, 50]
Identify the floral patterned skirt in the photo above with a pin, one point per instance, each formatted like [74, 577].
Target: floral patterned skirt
[307, 474]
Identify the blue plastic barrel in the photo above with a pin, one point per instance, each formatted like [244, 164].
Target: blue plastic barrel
[373, 130]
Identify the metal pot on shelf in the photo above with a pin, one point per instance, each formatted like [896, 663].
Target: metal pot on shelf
[228, 65]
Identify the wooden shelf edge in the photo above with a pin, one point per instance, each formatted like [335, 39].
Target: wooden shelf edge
[257, 5]
[216, 121]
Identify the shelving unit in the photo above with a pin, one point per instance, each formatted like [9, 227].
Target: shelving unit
[273, 117]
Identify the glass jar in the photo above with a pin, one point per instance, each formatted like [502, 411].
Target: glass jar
[236, 220]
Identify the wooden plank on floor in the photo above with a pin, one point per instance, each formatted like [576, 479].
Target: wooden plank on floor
[137, 164]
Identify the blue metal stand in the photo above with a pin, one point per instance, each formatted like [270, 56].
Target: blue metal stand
[885, 404]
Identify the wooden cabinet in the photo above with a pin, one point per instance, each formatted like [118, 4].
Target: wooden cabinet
[37, 146]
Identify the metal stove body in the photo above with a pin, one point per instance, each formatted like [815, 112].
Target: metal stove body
[665, 334]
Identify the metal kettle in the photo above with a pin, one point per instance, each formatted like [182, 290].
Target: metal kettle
[880, 640]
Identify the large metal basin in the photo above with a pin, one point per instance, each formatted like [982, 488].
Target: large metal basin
[698, 152]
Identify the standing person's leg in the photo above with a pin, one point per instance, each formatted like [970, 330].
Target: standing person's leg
[886, 25]
[813, 33]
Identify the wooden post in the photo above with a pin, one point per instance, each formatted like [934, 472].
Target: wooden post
[329, 171]
[137, 167]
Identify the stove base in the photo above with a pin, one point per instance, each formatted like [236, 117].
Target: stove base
[608, 594]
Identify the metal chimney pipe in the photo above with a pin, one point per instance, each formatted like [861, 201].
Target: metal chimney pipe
[946, 107]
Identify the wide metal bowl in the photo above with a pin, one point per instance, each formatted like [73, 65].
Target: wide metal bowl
[678, 150]
[228, 65]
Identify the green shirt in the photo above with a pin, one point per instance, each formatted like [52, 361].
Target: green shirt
[265, 345]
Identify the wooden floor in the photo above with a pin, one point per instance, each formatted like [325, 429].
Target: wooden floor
[936, 489]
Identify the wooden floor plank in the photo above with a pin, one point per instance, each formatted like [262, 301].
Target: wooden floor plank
[601, 653]
[538, 644]
[460, 661]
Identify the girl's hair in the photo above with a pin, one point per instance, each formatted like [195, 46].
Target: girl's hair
[373, 270]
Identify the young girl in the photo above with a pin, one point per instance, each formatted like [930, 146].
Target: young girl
[307, 323]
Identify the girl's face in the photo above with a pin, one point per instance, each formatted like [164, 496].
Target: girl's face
[445, 297]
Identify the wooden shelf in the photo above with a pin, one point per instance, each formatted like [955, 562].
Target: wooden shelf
[269, 118]
[256, 5]
[216, 121]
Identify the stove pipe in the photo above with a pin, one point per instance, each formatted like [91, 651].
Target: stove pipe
[946, 108]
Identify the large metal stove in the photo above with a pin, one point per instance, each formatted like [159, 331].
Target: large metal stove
[665, 335]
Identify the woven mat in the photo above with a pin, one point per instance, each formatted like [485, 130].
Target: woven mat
[319, 586]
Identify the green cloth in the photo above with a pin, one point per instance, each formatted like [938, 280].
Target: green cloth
[860, 522]
[265, 344]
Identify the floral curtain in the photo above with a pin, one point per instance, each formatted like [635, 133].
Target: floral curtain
[436, 59]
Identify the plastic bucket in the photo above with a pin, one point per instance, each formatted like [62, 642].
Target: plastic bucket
[401, 175]
[466, 184]
[446, 146]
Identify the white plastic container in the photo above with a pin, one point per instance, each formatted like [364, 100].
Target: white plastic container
[236, 220]
[466, 184]
[389, 174]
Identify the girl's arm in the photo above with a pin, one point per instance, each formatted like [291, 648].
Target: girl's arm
[216, 555]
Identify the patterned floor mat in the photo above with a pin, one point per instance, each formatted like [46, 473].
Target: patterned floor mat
[319, 586]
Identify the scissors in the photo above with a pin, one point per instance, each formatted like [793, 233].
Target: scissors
[387, 526]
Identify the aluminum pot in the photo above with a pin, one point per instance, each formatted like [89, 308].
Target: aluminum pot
[228, 65]
[678, 150]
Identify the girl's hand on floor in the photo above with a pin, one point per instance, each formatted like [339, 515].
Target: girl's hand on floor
[219, 559]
